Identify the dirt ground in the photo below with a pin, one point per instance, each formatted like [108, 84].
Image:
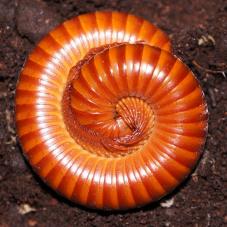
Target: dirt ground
[198, 29]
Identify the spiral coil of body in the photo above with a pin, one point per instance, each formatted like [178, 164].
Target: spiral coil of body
[104, 118]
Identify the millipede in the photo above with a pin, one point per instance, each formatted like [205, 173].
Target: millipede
[106, 115]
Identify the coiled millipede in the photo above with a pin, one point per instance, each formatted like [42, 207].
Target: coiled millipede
[105, 118]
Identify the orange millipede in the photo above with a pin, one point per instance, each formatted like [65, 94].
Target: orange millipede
[106, 115]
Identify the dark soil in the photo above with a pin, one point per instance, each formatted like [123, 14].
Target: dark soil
[198, 29]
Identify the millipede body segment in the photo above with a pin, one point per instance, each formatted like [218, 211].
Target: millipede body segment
[106, 115]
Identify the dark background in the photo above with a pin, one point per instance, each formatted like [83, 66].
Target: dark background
[198, 30]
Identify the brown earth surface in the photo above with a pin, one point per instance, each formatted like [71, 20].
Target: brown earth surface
[198, 30]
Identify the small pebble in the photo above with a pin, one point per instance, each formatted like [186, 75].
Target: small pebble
[25, 208]
[167, 203]
[35, 19]
[32, 222]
